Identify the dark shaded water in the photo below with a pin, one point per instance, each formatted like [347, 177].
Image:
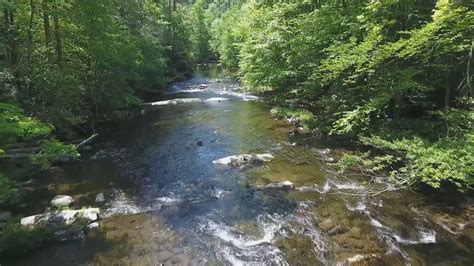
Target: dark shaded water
[165, 202]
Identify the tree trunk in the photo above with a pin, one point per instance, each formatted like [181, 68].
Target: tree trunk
[398, 104]
[6, 35]
[447, 97]
[30, 25]
[13, 42]
[57, 36]
[169, 11]
[47, 28]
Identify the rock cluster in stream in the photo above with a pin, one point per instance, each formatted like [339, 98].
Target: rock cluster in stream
[66, 224]
[244, 159]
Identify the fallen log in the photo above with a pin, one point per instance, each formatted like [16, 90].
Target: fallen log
[87, 141]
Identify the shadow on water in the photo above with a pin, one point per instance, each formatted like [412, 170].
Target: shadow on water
[166, 203]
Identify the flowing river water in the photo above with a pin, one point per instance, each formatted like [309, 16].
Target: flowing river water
[165, 202]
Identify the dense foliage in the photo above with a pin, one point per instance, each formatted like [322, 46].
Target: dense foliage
[395, 75]
[67, 65]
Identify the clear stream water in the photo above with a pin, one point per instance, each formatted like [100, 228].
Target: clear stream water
[165, 202]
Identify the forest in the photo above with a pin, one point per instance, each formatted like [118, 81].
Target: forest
[394, 78]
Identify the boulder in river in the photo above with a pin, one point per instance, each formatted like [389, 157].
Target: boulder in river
[243, 159]
[202, 86]
[63, 217]
[62, 201]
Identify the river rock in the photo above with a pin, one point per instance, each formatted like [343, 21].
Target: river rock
[100, 198]
[322, 152]
[202, 86]
[100, 155]
[243, 159]
[329, 159]
[338, 229]
[302, 130]
[63, 217]
[359, 259]
[62, 201]
[90, 215]
[285, 185]
[93, 225]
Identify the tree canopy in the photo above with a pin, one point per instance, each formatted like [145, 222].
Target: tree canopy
[394, 75]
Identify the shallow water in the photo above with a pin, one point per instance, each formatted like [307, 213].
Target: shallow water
[165, 202]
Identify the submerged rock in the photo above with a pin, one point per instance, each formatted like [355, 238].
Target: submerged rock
[62, 201]
[243, 159]
[325, 154]
[101, 154]
[202, 86]
[113, 153]
[338, 229]
[100, 198]
[285, 185]
[359, 259]
[75, 232]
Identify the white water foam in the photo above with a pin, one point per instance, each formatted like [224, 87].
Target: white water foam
[317, 188]
[348, 186]
[168, 200]
[244, 96]
[241, 249]
[219, 193]
[121, 204]
[177, 91]
[376, 223]
[425, 238]
[359, 207]
[305, 226]
[226, 233]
